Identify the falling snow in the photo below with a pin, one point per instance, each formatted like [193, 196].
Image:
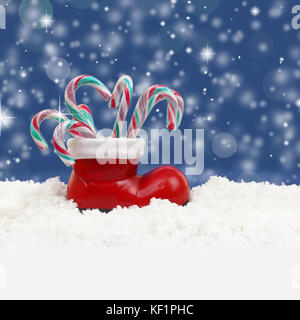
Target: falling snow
[255, 11]
[236, 65]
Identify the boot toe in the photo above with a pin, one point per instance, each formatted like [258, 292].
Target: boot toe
[165, 182]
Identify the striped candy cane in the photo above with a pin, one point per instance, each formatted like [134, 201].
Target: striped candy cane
[123, 89]
[70, 95]
[180, 109]
[179, 112]
[173, 119]
[77, 129]
[37, 121]
[146, 103]
[86, 112]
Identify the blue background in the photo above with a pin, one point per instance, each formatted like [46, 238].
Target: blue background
[249, 89]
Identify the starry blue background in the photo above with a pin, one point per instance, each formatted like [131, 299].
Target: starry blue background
[246, 96]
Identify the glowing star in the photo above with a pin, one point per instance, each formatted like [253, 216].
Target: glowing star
[5, 119]
[46, 21]
[61, 111]
[207, 54]
[255, 11]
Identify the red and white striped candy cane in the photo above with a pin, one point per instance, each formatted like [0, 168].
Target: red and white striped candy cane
[124, 89]
[86, 111]
[37, 121]
[180, 109]
[70, 96]
[146, 103]
[180, 104]
[77, 129]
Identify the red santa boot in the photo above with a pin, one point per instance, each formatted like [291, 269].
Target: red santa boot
[105, 176]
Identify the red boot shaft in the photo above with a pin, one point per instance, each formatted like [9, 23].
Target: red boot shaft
[98, 185]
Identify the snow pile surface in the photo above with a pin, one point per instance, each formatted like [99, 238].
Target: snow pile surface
[221, 212]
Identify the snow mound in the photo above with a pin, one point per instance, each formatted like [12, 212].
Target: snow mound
[220, 212]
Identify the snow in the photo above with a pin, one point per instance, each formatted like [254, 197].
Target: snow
[220, 213]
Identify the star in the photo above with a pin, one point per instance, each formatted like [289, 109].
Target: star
[5, 119]
[46, 21]
[207, 53]
[62, 114]
[255, 11]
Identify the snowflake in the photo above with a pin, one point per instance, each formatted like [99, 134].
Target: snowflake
[46, 21]
[5, 119]
[207, 54]
[255, 11]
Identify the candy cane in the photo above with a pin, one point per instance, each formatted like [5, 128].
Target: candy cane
[124, 89]
[77, 129]
[74, 85]
[180, 109]
[172, 125]
[179, 112]
[146, 103]
[85, 110]
[37, 121]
